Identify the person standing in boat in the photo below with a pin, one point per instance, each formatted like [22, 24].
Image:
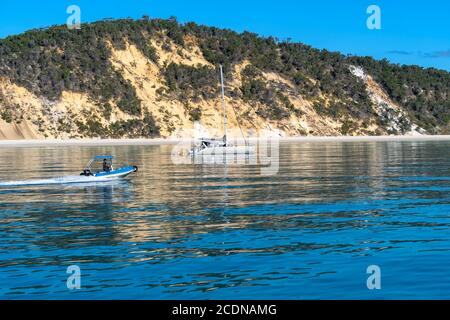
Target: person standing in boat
[106, 166]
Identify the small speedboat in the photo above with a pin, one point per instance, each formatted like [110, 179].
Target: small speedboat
[107, 171]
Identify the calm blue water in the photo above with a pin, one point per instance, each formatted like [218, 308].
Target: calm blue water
[210, 232]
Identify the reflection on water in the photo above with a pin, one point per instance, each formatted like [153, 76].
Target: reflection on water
[216, 231]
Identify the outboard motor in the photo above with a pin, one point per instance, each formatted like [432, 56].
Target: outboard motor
[86, 172]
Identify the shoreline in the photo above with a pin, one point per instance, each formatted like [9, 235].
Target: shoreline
[162, 141]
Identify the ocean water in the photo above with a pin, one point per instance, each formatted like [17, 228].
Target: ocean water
[227, 232]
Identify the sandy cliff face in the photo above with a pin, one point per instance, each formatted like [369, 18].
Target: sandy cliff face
[388, 111]
[27, 116]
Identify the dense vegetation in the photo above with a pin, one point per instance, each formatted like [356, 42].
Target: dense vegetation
[132, 128]
[273, 104]
[425, 93]
[49, 61]
[191, 82]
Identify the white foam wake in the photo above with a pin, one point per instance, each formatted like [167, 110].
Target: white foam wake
[59, 180]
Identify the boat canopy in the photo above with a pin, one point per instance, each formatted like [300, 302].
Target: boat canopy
[101, 158]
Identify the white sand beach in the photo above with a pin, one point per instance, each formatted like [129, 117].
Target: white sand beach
[162, 141]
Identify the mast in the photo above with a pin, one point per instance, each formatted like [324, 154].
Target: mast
[223, 107]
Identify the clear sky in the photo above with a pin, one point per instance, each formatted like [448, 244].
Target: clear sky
[412, 32]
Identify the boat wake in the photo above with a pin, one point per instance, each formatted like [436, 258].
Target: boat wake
[53, 181]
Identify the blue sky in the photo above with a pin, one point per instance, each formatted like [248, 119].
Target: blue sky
[413, 32]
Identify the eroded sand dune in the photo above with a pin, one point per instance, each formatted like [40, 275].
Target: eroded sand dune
[36, 117]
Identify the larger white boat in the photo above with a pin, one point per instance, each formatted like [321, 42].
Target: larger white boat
[212, 147]
[207, 146]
